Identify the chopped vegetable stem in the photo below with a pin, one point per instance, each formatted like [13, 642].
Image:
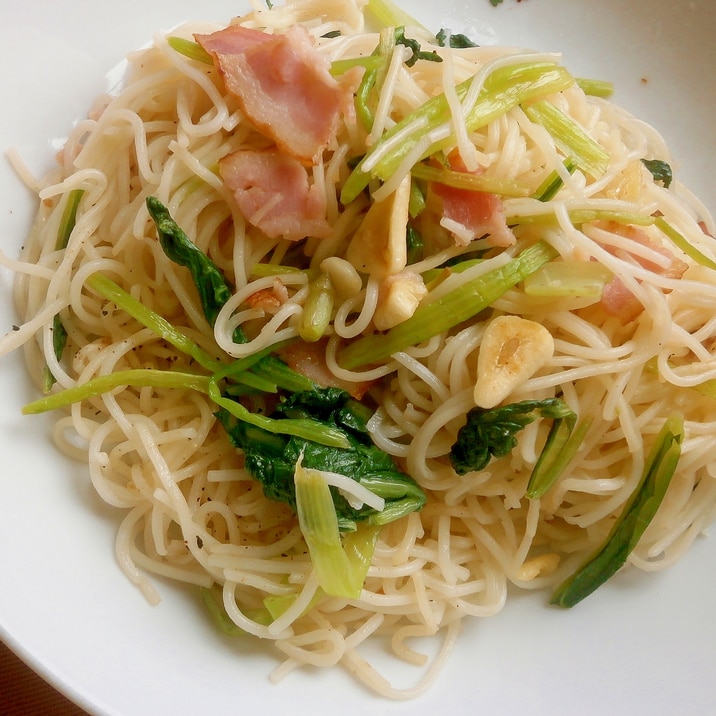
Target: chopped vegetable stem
[554, 182]
[504, 89]
[110, 291]
[341, 572]
[459, 305]
[596, 88]
[307, 428]
[137, 377]
[189, 48]
[551, 464]
[390, 15]
[583, 216]
[633, 520]
[679, 240]
[569, 137]
[472, 182]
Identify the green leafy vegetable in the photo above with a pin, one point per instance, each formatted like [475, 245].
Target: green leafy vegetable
[631, 523]
[214, 291]
[660, 170]
[272, 459]
[456, 41]
[322, 423]
[211, 284]
[492, 432]
[414, 47]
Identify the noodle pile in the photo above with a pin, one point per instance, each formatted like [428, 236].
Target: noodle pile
[191, 511]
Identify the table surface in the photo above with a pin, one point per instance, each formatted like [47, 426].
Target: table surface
[24, 693]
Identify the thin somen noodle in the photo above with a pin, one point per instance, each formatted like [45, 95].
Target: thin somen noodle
[621, 342]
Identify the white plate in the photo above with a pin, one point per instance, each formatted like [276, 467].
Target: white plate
[643, 644]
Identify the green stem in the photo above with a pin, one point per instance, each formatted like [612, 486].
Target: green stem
[552, 463]
[596, 88]
[64, 231]
[634, 519]
[448, 311]
[371, 62]
[548, 189]
[307, 429]
[189, 48]
[317, 310]
[504, 89]
[582, 216]
[390, 15]
[683, 243]
[138, 378]
[471, 182]
[569, 137]
[110, 291]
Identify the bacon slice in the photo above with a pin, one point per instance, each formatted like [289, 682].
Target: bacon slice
[617, 300]
[471, 214]
[309, 359]
[283, 85]
[274, 194]
[269, 299]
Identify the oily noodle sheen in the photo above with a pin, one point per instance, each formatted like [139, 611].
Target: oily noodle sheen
[192, 513]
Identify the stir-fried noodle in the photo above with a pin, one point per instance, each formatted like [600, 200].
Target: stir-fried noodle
[624, 337]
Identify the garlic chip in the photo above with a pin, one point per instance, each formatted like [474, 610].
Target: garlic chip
[512, 350]
[378, 246]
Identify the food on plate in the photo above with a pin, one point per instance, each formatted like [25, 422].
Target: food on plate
[360, 325]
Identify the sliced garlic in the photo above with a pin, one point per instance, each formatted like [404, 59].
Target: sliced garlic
[541, 566]
[378, 247]
[512, 350]
[398, 298]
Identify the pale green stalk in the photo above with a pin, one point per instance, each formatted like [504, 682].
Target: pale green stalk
[504, 89]
[341, 568]
[569, 137]
[459, 305]
[633, 520]
[307, 429]
[110, 291]
[683, 243]
[138, 378]
[471, 182]
[317, 309]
